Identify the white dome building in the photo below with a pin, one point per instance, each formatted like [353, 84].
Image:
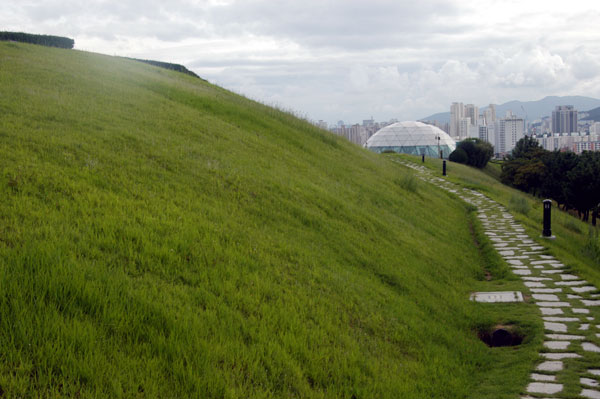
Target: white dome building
[414, 138]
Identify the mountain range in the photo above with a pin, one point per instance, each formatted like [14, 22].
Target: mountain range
[531, 110]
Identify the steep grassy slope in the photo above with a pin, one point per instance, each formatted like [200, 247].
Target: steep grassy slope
[162, 237]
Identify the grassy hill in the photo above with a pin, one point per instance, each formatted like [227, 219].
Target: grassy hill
[163, 237]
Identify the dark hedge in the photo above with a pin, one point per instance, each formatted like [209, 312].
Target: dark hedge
[167, 65]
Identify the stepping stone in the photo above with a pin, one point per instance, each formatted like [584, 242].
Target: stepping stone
[589, 347]
[534, 284]
[555, 327]
[537, 278]
[551, 311]
[545, 290]
[584, 327]
[545, 297]
[586, 288]
[554, 304]
[544, 387]
[588, 382]
[515, 262]
[571, 296]
[594, 371]
[522, 272]
[543, 262]
[537, 248]
[497, 296]
[594, 302]
[550, 365]
[568, 277]
[564, 337]
[590, 393]
[507, 253]
[546, 256]
[580, 311]
[551, 271]
[562, 319]
[559, 356]
[557, 345]
[542, 377]
[571, 283]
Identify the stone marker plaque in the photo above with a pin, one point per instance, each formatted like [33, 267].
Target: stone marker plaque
[498, 296]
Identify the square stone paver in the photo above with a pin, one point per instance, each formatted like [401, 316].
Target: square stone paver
[545, 297]
[542, 377]
[557, 345]
[590, 393]
[555, 327]
[544, 387]
[551, 311]
[550, 365]
[590, 347]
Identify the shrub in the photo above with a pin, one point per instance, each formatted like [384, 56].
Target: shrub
[459, 156]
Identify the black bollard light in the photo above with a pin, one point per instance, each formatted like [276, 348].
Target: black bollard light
[547, 232]
[423, 158]
[444, 167]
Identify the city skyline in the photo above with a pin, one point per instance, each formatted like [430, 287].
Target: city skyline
[341, 59]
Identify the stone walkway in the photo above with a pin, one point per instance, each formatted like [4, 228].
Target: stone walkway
[566, 302]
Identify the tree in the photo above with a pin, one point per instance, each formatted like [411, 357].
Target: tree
[557, 164]
[525, 148]
[477, 152]
[459, 156]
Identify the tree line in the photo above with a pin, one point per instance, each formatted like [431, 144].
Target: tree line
[572, 180]
[44, 40]
[168, 65]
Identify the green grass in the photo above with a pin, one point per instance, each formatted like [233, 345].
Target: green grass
[162, 237]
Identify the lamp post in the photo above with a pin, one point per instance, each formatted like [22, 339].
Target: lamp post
[438, 140]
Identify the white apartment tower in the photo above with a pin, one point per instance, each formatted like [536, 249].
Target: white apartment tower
[508, 131]
[472, 112]
[457, 112]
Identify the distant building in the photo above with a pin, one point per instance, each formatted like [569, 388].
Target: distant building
[564, 119]
[457, 113]
[508, 131]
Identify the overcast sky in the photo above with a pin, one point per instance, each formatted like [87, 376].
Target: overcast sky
[346, 59]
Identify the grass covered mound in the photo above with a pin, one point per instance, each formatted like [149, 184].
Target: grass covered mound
[162, 237]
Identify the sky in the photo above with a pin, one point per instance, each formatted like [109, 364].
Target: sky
[346, 59]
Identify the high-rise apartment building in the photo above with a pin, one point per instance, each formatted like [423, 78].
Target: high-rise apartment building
[489, 115]
[472, 112]
[508, 131]
[457, 112]
[564, 119]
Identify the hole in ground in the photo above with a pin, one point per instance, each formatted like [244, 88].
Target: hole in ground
[501, 335]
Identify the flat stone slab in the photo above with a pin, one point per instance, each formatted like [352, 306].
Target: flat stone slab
[580, 311]
[590, 347]
[594, 302]
[568, 277]
[584, 327]
[545, 290]
[571, 283]
[590, 393]
[537, 279]
[534, 284]
[561, 319]
[585, 288]
[554, 304]
[542, 377]
[555, 327]
[544, 387]
[545, 297]
[594, 371]
[522, 272]
[514, 262]
[557, 345]
[551, 311]
[555, 271]
[550, 365]
[497, 296]
[564, 337]
[559, 356]
[572, 296]
[589, 382]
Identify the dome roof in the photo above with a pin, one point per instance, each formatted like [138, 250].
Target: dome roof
[411, 138]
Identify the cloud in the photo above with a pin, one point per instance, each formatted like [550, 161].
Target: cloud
[346, 59]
